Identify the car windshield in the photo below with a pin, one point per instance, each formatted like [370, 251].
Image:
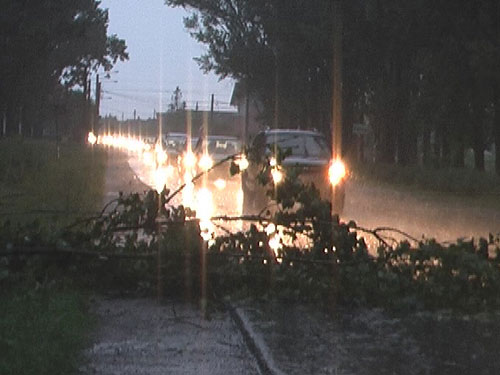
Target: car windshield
[175, 142]
[223, 146]
[303, 145]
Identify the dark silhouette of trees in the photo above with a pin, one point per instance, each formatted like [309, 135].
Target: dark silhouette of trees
[44, 45]
[425, 72]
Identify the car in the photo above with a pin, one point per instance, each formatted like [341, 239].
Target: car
[212, 150]
[175, 144]
[308, 153]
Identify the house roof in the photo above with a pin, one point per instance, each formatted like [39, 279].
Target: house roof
[238, 93]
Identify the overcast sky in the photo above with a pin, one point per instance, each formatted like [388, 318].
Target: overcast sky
[161, 58]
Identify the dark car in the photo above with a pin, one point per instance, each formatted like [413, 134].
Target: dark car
[175, 144]
[213, 150]
[308, 153]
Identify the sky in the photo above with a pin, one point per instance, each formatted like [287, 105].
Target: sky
[161, 58]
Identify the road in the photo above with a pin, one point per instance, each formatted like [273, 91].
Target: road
[442, 216]
[140, 336]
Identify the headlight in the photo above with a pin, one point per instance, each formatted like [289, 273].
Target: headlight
[158, 148]
[160, 179]
[336, 172]
[220, 184]
[277, 175]
[206, 162]
[92, 139]
[189, 160]
[161, 157]
[148, 158]
[242, 162]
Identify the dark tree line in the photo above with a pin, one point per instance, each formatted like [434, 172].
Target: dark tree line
[48, 48]
[426, 73]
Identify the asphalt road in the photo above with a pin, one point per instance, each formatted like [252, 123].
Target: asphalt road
[442, 216]
[139, 336]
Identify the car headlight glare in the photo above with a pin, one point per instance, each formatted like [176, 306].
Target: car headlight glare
[220, 184]
[161, 157]
[336, 172]
[242, 162]
[91, 138]
[277, 175]
[206, 162]
[189, 160]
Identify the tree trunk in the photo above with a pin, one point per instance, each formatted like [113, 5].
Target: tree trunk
[387, 150]
[445, 145]
[426, 146]
[495, 12]
[478, 139]
[479, 157]
[446, 152]
[496, 125]
[407, 144]
[459, 157]
[348, 146]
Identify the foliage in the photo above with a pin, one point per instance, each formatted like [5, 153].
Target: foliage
[44, 42]
[43, 329]
[294, 250]
[338, 267]
[412, 68]
[141, 241]
[39, 179]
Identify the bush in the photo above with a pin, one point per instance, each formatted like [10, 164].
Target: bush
[306, 254]
[43, 330]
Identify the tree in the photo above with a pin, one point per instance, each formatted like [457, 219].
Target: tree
[419, 69]
[177, 103]
[44, 43]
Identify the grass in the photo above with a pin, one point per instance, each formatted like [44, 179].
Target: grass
[36, 183]
[42, 330]
[43, 327]
[448, 180]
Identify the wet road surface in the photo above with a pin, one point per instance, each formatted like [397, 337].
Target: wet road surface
[139, 336]
[443, 216]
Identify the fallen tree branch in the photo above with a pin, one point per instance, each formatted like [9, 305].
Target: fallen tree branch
[31, 251]
[198, 176]
[395, 230]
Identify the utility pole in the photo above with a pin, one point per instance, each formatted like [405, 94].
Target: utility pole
[20, 124]
[90, 117]
[247, 112]
[337, 97]
[337, 81]
[212, 108]
[97, 98]
[4, 125]
[120, 125]
[135, 121]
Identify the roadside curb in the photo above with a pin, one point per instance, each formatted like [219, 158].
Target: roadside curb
[254, 343]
